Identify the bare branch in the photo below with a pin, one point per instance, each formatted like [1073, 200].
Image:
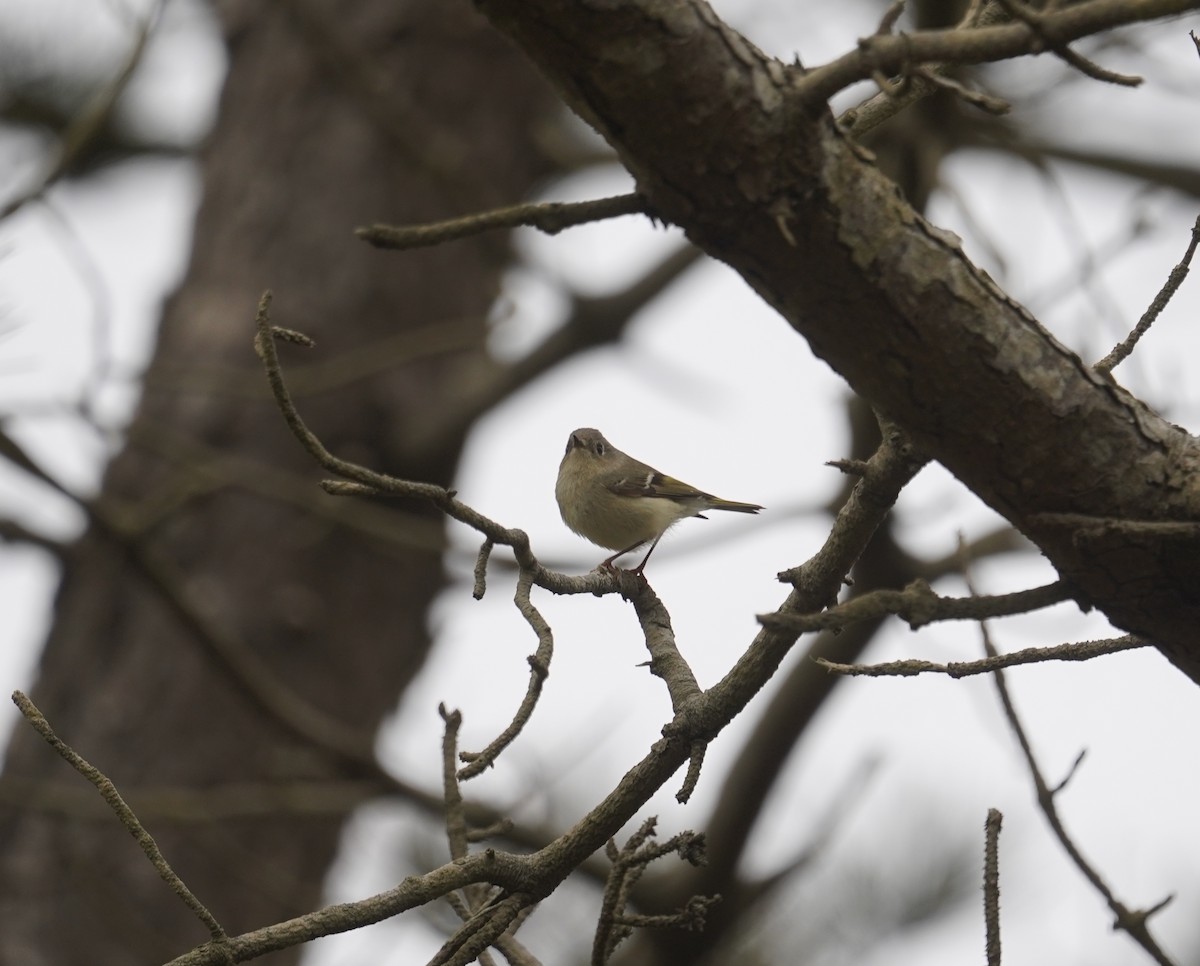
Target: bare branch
[539, 668]
[1132, 921]
[413, 892]
[1121, 351]
[456, 823]
[919, 605]
[889, 470]
[1066, 779]
[366, 482]
[123, 812]
[1060, 26]
[1036, 20]
[480, 931]
[1083, 651]
[991, 885]
[475, 898]
[525, 879]
[550, 217]
[692, 778]
[512, 950]
[621, 879]
[853, 235]
[925, 80]
[614, 925]
[480, 571]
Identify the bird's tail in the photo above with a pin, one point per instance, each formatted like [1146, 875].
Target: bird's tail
[735, 506]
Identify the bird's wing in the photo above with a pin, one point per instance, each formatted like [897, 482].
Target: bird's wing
[655, 484]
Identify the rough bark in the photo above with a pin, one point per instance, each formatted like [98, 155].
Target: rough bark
[740, 151]
[333, 116]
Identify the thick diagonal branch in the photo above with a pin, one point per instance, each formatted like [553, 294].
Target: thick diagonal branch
[887, 299]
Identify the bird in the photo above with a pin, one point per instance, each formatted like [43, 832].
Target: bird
[621, 503]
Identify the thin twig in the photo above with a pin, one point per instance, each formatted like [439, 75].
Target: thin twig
[479, 932]
[480, 572]
[890, 17]
[511, 948]
[124, 813]
[1122, 350]
[474, 897]
[456, 822]
[549, 217]
[692, 777]
[539, 669]
[941, 80]
[616, 890]
[1065, 23]
[925, 80]
[362, 481]
[991, 885]
[892, 466]
[919, 605]
[1132, 921]
[1036, 22]
[614, 925]
[1082, 651]
[414, 891]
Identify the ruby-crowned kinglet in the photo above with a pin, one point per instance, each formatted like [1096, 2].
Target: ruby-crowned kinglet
[620, 503]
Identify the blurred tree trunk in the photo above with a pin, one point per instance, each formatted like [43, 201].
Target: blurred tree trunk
[333, 116]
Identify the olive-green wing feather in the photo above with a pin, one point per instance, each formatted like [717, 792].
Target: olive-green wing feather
[655, 484]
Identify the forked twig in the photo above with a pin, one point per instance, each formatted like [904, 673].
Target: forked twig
[614, 924]
[1035, 20]
[1132, 921]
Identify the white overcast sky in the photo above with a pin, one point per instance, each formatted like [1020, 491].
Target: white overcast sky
[707, 362]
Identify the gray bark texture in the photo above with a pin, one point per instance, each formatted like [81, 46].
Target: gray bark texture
[742, 152]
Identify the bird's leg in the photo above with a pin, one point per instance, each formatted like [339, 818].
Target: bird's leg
[608, 564]
[642, 565]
